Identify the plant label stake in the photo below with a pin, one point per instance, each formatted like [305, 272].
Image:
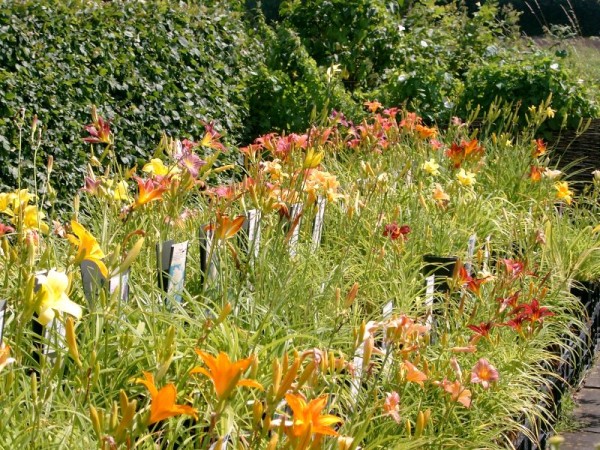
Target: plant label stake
[171, 259]
[429, 297]
[208, 254]
[318, 223]
[2, 313]
[486, 252]
[470, 253]
[358, 364]
[252, 228]
[387, 314]
[92, 280]
[294, 230]
[121, 282]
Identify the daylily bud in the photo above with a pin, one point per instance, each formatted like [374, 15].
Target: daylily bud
[276, 375]
[96, 422]
[420, 424]
[331, 362]
[351, 295]
[224, 313]
[289, 378]
[257, 412]
[272, 445]
[408, 426]
[34, 387]
[338, 296]
[368, 351]
[114, 416]
[50, 164]
[308, 371]
[72, 341]
[254, 367]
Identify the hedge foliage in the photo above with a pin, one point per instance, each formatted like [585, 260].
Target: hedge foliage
[151, 66]
[160, 66]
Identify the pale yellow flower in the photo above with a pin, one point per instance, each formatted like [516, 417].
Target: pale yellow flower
[550, 112]
[53, 288]
[431, 167]
[465, 178]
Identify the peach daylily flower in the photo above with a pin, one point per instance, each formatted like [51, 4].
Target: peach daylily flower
[163, 403]
[391, 405]
[224, 374]
[483, 372]
[413, 374]
[458, 392]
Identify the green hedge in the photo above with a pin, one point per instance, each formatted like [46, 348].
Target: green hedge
[152, 67]
[527, 81]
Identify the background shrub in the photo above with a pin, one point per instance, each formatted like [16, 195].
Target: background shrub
[528, 81]
[289, 87]
[149, 66]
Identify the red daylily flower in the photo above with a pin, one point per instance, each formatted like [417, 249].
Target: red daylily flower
[481, 330]
[99, 130]
[533, 312]
[5, 229]
[394, 231]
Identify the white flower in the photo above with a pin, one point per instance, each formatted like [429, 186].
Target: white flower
[551, 174]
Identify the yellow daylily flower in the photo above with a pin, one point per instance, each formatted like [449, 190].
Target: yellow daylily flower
[431, 167]
[53, 288]
[5, 200]
[563, 192]
[121, 192]
[88, 247]
[465, 178]
[156, 167]
[32, 219]
[313, 159]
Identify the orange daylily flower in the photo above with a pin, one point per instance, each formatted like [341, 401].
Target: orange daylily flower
[540, 148]
[88, 247]
[149, 191]
[413, 374]
[226, 227]
[5, 358]
[308, 420]
[225, 374]
[373, 106]
[535, 173]
[425, 132]
[440, 196]
[163, 401]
